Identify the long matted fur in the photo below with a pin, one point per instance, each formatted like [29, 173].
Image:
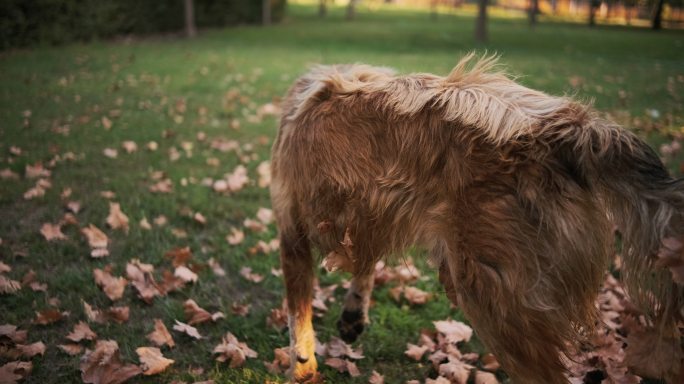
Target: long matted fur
[513, 192]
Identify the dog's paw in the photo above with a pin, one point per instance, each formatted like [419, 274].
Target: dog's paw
[304, 371]
[350, 325]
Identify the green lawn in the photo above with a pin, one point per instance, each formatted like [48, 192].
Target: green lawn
[634, 75]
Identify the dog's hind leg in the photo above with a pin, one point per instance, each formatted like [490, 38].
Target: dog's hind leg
[355, 308]
[298, 271]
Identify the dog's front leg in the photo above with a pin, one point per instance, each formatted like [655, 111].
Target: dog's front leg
[297, 264]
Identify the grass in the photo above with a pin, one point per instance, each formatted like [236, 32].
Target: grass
[634, 75]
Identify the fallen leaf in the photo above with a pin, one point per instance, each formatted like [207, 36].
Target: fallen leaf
[36, 171]
[110, 153]
[81, 332]
[152, 361]
[117, 219]
[129, 146]
[16, 336]
[240, 309]
[185, 274]
[106, 123]
[265, 215]
[52, 232]
[485, 378]
[232, 349]
[246, 272]
[236, 236]
[187, 329]
[455, 331]
[112, 286]
[97, 240]
[160, 335]
[416, 296]
[197, 315]
[144, 224]
[15, 371]
[163, 186]
[215, 267]
[48, 316]
[117, 314]
[179, 256]
[8, 286]
[415, 352]
[376, 378]
[103, 365]
[31, 350]
[198, 217]
[264, 172]
[342, 365]
[71, 349]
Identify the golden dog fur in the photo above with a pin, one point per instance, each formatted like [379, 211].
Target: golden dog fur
[512, 191]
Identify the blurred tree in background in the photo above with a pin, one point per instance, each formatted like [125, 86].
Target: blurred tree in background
[30, 22]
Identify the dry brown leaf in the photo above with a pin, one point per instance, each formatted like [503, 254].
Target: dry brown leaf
[278, 317]
[97, 240]
[71, 349]
[103, 365]
[117, 219]
[10, 331]
[216, 267]
[179, 256]
[129, 146]
[489, 362]
[254, 225]
[163, 186]
[141, 278]
[48, 316]
[240, 309]
[81, 331]
[485, 378]
[185, 274]
[152, 361]
[52, 232]
[376, 378]
[31, 350]
[117, 314]
[8, 174]
[160, 335]
[456, 371]
[4, 268]
[198, 217]
[342, 257]
[416, 296]
[343, 366]
[106, 123]
[264, 172]
[110, 153]
[8, 285]
[197, 315]
[235, 237]
[14, 371]
[246, 272]
[36, 171]
[232, 349]
[265, 215]
[336, 347]
[415, 352]
[112, 286]
[454, 331]
[187, 329]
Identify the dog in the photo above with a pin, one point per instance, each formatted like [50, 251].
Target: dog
[515, 194]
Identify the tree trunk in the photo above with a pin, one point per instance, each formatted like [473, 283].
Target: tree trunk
[481, 22]
[190, 29]
[351, 9]
[322, 8]
[266, 12]
[433, 10]
[657, 18]
[532, 12]
[593, 4]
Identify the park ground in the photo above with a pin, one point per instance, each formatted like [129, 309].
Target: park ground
[71, 108]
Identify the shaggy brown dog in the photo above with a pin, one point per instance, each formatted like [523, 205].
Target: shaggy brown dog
[512, 191]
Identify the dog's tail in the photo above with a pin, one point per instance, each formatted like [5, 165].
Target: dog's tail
[640, 196]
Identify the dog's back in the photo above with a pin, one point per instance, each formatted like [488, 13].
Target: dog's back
[509, 188]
